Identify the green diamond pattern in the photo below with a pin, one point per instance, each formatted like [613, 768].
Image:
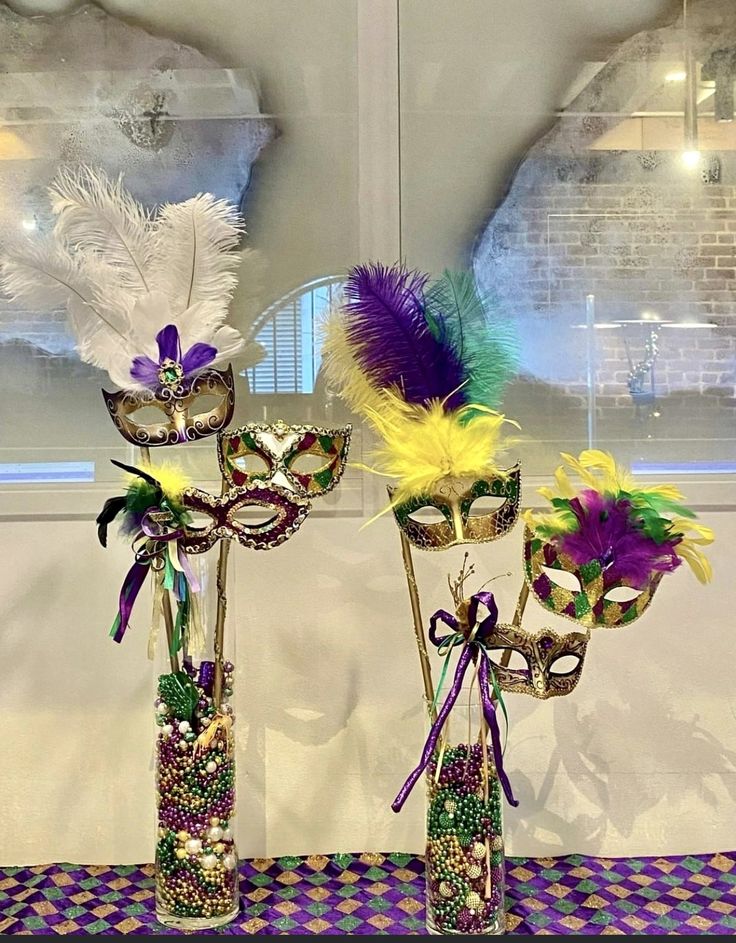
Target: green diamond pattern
[696, 886]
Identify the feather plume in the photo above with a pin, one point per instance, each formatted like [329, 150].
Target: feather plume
[98, 216]
[604, 531]
[485, 343]
[194, 258]
[613, 519]
[391, 339]
[44, 276]
[424, 445]
[344, 373]
[124, 278]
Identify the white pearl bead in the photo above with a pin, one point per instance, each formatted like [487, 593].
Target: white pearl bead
[184, 726]
[227, 835]
[193, 846]
[208, 862]
[211, 766]
[162, 708]
[183, 744]
[167, 730]
[230, 862]
[214, 834]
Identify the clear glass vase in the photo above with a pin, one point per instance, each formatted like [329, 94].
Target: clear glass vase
[196, 857]
[465, 851]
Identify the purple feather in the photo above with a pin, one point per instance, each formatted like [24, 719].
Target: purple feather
[388, 330]
[608, 532]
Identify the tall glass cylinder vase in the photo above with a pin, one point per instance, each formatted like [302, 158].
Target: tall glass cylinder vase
[196, 857]
[465, 849]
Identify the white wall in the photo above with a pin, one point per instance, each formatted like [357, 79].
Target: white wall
[640, 759]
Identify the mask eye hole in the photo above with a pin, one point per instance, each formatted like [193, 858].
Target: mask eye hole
[251, 464]
[199, 521]
[148, 416]
[308, 463]
[254, 515]
[207, 403]
[622, 594]
[563, 578]
[565, 665]
[517, 660]
[485, 505]
[428, 514]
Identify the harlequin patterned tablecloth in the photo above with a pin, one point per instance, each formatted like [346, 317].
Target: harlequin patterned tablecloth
[383, 894]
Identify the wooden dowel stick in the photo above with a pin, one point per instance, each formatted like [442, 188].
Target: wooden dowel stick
[220, 622]
[416, 611]
[221, 613]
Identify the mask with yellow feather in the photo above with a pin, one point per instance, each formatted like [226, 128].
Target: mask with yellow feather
[612, 538]
[426, 363]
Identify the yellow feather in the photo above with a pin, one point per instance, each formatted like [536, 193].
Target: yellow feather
[172, 479]
[343, 372]
[422, 445]
[698, 562]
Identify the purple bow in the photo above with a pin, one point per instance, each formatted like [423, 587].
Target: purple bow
[474, 647]
[149, 373]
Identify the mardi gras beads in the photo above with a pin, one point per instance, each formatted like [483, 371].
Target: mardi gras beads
[465, 845]
[195, 855]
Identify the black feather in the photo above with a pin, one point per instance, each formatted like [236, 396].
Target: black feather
[111, 509]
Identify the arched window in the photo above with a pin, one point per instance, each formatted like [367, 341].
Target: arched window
[289, 329]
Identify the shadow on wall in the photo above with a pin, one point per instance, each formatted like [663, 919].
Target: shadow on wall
[592, 750]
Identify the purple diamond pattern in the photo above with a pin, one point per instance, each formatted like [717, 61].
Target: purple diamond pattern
[384, 894]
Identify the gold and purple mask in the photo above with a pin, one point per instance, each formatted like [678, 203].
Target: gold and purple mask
[596, 600]
[257, 515]
[553, 663]
[452, 506]
[179, 401]
[307, 459]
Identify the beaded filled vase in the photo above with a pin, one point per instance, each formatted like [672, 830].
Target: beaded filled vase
[465, 850]
[196, 858]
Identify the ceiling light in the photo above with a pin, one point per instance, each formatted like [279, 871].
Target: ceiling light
[691, 158]
[678, 76]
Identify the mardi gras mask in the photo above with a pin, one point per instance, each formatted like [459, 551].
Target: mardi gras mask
[554, 662]
[178, 401]
[596, 600]
[310, 460]
[454, 500]
[280, 514]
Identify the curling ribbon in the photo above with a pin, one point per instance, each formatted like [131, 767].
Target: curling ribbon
[474, 652]
[153, 543]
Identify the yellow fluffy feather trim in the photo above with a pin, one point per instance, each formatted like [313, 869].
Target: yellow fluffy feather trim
[422, 445]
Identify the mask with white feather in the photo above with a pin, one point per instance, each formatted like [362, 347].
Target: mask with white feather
[147, 297]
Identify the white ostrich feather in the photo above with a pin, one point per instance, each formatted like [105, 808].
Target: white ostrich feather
[124, 275]
[44, 276]
[194, 262]
[97, 215]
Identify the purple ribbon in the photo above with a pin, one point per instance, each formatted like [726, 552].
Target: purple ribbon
[474, 647]
[134, 579]
[136, 575]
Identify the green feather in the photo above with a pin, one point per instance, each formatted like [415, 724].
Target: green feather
[485, 341]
